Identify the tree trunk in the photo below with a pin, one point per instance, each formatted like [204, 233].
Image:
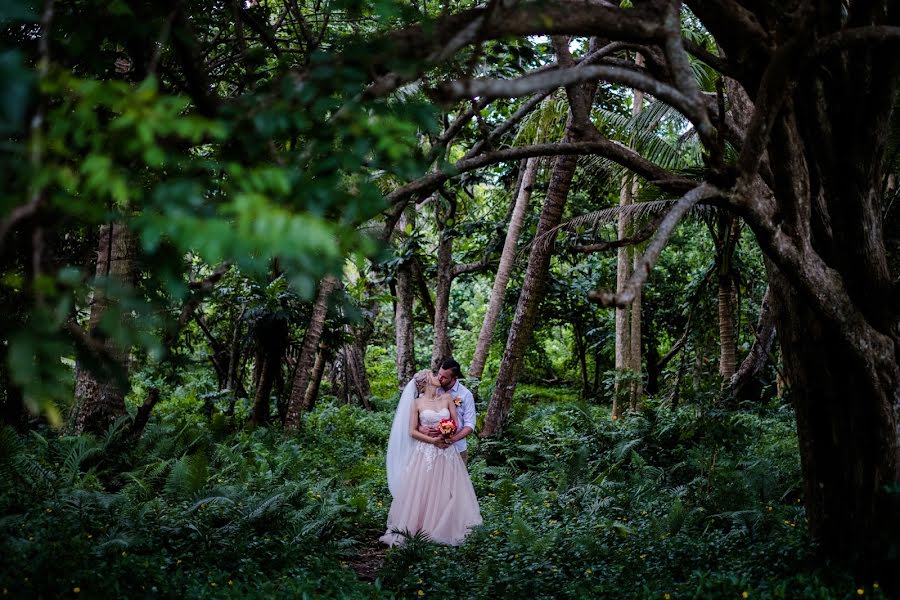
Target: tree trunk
[440, 348]
[634, 354]
[727, 233]
[261, 413]
[762, 344]
[315, 379]
[101, 385]
[581, 353]
[834, 296]
[504, 270]
[623, 314]
[403, 320]
[727, 348]
[355, 369]
[304, 370]
[530, 297]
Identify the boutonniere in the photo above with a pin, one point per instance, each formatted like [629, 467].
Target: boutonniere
[457, 401]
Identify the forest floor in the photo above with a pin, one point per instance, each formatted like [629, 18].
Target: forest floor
[367, 561]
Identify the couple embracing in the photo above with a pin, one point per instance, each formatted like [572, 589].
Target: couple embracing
[426, 459]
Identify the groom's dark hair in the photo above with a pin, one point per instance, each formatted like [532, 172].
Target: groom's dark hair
[451, 365]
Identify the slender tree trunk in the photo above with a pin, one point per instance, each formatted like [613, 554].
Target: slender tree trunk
[267, 370]
[727, 233]
[355, 368]
[441, 345]
[580, 100]
[652, 361]
[762, 344]
[100, 390]
[623, 314]
[581, 351]
[504, 270]
[727, 347]
[304, 370]
[315, 379]
[403, 319]
[530, 297]
[634, 354]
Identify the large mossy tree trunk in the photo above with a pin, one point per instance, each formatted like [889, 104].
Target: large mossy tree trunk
[101, 378]
[836, 303]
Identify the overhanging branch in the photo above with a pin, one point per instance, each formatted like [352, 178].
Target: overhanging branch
[648, 260]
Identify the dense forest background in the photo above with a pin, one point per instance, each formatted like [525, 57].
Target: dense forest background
[660, 237]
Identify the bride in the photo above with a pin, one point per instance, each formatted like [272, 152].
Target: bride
[428, 479]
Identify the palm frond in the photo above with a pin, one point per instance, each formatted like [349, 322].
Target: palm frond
[637, 212]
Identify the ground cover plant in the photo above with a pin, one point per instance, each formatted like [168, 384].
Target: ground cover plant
[687, 503]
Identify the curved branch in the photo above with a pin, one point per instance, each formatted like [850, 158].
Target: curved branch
[648, 260]
[502, 88]
[857, 35]
[598, 145]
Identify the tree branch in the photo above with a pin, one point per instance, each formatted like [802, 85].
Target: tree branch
[648, 260]
[598, 145]
[642, 236]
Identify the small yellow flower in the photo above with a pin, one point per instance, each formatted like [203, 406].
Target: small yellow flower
[860, 591]
[588, 571]
[667, 596]
[643, 556]
[212, 583]
[745, 594]
[421, 593]
[230, 582]
[77, 590]
[875, 586]
[178, 562]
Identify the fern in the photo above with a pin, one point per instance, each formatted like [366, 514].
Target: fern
[188, 476]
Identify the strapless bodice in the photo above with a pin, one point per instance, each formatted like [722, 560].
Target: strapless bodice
[433, 417]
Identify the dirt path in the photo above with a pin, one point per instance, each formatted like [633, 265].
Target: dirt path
[368, 560]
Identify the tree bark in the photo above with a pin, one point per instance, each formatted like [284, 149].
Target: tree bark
[504, 270]
[440, 348]
[727, 233]
[303, 372]
[101, 385]
[623, 314]
[634, 353]
[762, 344]
[403, 319]
[315, 379]
[727, 349]
[529, 298]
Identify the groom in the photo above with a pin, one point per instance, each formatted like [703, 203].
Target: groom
[448, 375]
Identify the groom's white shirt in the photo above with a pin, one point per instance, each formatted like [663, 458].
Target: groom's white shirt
[465, 412]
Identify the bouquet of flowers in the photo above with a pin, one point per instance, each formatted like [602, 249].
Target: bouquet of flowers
[447, 427]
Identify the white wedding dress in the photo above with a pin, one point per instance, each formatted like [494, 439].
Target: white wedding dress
[435, 495]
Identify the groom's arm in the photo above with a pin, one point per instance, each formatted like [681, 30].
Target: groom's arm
[468, 424]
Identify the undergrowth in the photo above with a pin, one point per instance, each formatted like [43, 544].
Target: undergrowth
[686, 503]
